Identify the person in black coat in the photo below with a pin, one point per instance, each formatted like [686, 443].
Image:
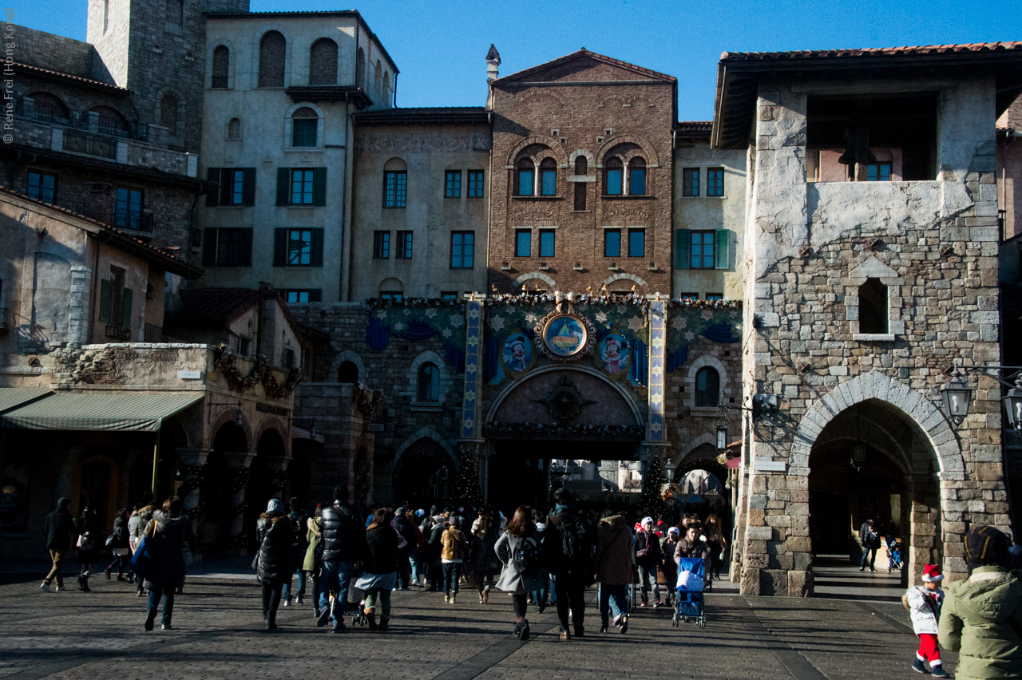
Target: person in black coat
[870, 541]
[379, 567]
[170, 530]
[647, 558]
[118, 544]
[342, 544]
[299, 520]
[274, 565]
[567, 551]
[60, 532]
[88, 546]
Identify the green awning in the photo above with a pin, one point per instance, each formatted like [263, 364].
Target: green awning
[13, 397]
[141, 412]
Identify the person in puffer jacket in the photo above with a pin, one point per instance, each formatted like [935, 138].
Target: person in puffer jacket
[924, 603]
[273, 564]
[982, 616]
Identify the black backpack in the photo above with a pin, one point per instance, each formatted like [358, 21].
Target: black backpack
[526, 556]
[576, 545]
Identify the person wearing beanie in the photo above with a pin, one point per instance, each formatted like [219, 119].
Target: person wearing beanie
[274, 565]
[924, 603]
[648, 558]
[982, 616]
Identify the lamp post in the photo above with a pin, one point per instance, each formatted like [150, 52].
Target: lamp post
[955, 395]
[721, 424]
[670, 467]
[1013, 404]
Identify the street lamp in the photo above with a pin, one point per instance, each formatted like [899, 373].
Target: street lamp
[1013, 404]
[670, 468]
[721, 424]
[955, 394]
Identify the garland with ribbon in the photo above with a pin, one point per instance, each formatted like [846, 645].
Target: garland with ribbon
[261, 373]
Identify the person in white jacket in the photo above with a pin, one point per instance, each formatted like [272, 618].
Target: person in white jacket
[923, 603]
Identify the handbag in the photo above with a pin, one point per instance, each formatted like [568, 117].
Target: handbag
[141, 561]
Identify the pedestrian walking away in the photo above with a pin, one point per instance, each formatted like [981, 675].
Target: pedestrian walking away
[407, 541]
[379, 573]
[342, 543]
[614, 570]
[60, 535]
[117, 542]
[145, 515]
[484, 536]
[518, 552]
[870, 541]
[298, 519]
[312, 561]
[568, 554]
[455, 548]
[273, 560]
[982, 616]
[170, 531]
[924, 603]
[88, 546]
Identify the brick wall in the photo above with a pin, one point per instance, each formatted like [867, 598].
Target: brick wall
[55, 52]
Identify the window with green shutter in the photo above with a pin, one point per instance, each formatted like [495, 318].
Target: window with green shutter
[212, 195]
[319, 186]
[283, 185]
[723, 249]
[682, 248]
[126, 300]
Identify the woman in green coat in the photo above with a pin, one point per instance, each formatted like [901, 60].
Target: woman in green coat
[982, 617]
[312, 563]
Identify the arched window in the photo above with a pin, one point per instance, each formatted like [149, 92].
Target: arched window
[548, 177]
[48, 108]
[378, 77]
[304, 124]
[391, 289]
[707, 387]
[581, 166]
[168, 112]
[272, 54]
[613, 175]
[386, 89]
[107, 121]
[637, 176]
[221, 68]
[234, 129]
[428, 386]
[175, 12]
[360, 69]
[323, 62]
[873, 314]
[348, 372]
[526, 177]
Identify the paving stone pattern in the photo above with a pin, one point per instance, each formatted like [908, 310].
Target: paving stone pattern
[218, 634]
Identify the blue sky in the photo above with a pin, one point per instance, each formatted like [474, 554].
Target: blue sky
[439, 46]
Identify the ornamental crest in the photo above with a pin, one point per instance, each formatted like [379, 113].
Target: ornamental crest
[565, 336]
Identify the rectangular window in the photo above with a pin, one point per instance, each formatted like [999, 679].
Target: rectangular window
[288, 359]
[547, 242]
[403, 250]
[636, 243]
[299, 247]
[381, 245]
[878, 172]
[232, 186]
[612, 243]
[303, 131]
[548, 181]
[702, 252]
[475, 183]
[580, 195]
[452, 186]
[614, 182]
[463, 249]
[301, 187]
[396, 296]
[714, 296]
[523, 243]
[228, 248]
[690, 182]
[243, 344]
[689, 296]
[297, 296]
[42, 186]
[637, 182]
[449, 295]
[129, 209]
[715, 181]
[395, 189]
[525, 179]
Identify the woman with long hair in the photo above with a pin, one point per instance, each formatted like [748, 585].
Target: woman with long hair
[717, 543]
[119, 545]
[379, 572]
[171, 530]
[518, 551]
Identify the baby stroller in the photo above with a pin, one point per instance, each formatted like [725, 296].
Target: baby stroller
[688, 606]
[893, 554]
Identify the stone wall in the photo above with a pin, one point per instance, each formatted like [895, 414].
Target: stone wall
[57, 53]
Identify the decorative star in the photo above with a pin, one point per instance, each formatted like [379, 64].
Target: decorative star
[690, 335]
[656, 400]
[431, 312]
[707, 314]
[679, 323]
[399, 326]
[655, 427]
[636, 323]
[446, 333]
[457, 321]
[531, 318]
[658, 342]
[473, 339]
[407, 311]
[382, 314]
[621, 309]
[496, 323]
[601, 317]
[470, 395]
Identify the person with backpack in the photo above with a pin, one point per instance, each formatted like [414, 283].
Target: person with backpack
[648, 558]
[568, 553]
[273, 562]
[170, 530]
[540, 597]
[297, 518]
[434, 548]
[614, 569]
[407, 540]
[342, 543]
[518, 551]
[88, 546]
[379, 573]
[484, 537]
[455, 547]
[60, 532]
[118, 544]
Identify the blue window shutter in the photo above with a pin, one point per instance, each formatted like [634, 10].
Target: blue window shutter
[723, 247]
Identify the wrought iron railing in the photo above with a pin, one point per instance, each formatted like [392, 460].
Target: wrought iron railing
[79, 141]
[118, 332]
[154, 333]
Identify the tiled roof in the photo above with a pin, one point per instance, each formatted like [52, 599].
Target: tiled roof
[177, 265]
[694, 125]
[423, 115]
[423, 110]
[593, 55]
[68, 76]
[213, 305]
[919, 50]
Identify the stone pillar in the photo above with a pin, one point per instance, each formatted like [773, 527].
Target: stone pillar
[279, 468]
[239, 462]
[192, 463]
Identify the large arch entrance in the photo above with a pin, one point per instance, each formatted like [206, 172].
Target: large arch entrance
[424, 474]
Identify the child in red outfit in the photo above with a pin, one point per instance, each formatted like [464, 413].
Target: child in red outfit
[923, 603]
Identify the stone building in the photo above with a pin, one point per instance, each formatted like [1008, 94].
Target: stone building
[861, 295]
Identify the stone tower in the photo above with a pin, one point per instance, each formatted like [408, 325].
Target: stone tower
[157, 48]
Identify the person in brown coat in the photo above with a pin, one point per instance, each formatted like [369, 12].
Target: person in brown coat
[614, 570]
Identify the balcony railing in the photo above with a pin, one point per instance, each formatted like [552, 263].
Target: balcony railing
[154, 333]
[84, 121]
[118, 332]
[78, 141]
[133, 220]
[121, 217]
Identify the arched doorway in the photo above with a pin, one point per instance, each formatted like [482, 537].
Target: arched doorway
[262, 480]
[215, 492]
[702, 489]
[872, 461]
[424, 474]
[97, 478]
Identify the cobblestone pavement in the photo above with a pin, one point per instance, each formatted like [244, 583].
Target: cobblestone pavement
[218, 633]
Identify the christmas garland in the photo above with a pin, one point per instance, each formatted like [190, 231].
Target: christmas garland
[523, 298]
[241, 480]
[196, 476]
[367, 401]
[372, 304]
[535, 429]
[261, 373]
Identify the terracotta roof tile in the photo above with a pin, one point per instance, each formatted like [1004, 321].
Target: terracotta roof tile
[61, 74]
[874, 52]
